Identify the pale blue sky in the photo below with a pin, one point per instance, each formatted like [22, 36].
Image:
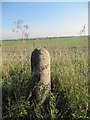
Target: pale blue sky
[44, 18]
[0, 21]
[45, 0]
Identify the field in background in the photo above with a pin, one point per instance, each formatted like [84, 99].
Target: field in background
[69, 75]
[60, 45]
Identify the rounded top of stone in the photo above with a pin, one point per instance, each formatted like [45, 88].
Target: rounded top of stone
[41, 50]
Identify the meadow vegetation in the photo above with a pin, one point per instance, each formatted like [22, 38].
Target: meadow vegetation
[69, 80]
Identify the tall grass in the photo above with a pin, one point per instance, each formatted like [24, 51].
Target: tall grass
[69, 81]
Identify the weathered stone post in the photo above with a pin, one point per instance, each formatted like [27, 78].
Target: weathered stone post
[41, 81]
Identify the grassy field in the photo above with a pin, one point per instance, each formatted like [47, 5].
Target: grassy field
[69, 76]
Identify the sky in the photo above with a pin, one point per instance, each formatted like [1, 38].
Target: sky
[45, 19]
[44, 0]
[88, 19]
[0, 21]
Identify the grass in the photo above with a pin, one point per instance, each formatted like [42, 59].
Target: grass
[69, 77]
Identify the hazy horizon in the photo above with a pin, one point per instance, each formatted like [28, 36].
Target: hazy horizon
[45, 19]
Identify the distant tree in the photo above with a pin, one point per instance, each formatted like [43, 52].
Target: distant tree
[21, 29]
[82, 32]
